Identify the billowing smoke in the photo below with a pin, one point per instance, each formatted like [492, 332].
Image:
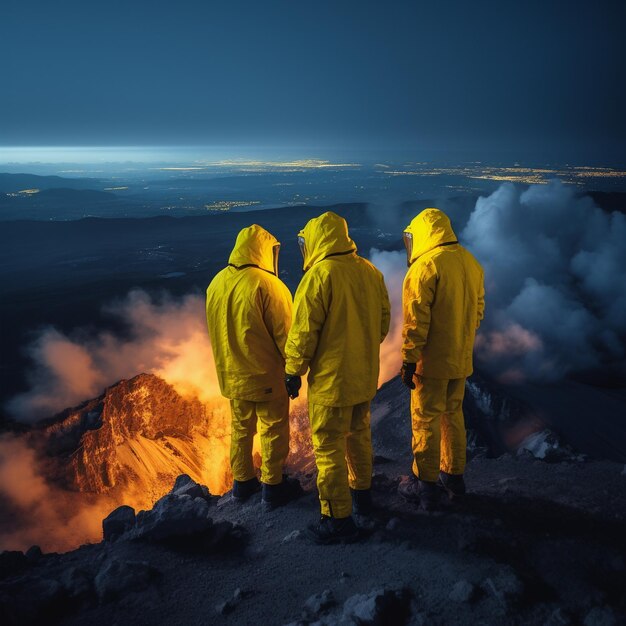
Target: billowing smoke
[393, 267]
[168, 338]
[556, 297]
[35, 511]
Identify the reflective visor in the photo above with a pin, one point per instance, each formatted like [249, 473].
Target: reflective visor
[302, 246]
[276, 250]
[408, 244]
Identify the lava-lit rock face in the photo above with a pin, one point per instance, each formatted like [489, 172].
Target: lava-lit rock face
[144, 406]
[140, 433]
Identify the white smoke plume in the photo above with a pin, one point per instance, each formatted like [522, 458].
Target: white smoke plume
[554, 270]
[168, 338]
[393, 267]
[554, 276]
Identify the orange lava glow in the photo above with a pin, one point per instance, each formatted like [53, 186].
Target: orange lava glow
[59, 504]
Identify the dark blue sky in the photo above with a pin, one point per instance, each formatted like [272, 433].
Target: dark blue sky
[543, 80]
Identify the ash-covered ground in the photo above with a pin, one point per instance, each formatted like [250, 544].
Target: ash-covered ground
[536, 541]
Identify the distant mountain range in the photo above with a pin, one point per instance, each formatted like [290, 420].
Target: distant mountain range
[14, 183]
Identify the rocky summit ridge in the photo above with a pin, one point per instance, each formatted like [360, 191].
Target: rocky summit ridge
[140, 434]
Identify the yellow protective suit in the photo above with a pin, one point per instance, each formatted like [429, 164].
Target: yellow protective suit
[443, 304]
[248, 310]
[341, 314]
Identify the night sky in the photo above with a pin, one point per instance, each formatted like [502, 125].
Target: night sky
[544, 80]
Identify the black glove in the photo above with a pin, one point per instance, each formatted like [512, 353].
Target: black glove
[407, 372]
[293, 384]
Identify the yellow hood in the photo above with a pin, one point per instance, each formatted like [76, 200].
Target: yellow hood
[254, 246]
[429, 229]
[325, 236]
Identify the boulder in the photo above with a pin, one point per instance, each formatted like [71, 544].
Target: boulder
[12, 562]
[118, 522]
[558, 618]
[505, 586]
[378, 608]
[545, 445]
[77, 583]
[294, 534]
[463, 591]
[228, 606]
[600, 616]
[186, 486]
[172, 516]
[117, 578]
[33, 554]
[318, 603]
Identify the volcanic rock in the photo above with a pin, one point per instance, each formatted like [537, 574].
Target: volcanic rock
[118, 522]
[545, 445]
[136, 418]
[505, 586]
[318, 603]
[600, 616]
[77, 583]
[463, 591]
[186, 486]
[117, 577]
[294, 534]
[378, 608]
[228, 606]
[33, 554]
[558, 618]
[172, 516]
[12, 562]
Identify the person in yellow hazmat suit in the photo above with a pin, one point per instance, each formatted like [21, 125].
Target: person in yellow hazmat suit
[341, 315]
[248, 311]
[443, 302]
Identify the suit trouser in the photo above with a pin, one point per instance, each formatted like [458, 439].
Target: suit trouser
[272, 420]
[342, 443]
[439, 438]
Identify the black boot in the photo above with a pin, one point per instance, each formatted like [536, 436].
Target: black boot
[421, 492]
[284, 492]
[362, 501]
[453, 484]
[332, 530]
[243, 489]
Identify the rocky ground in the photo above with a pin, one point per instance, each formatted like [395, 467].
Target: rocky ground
[533, 543]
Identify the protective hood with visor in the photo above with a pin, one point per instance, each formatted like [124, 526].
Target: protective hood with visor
[255, 247]
[322, 237]
[428, 230]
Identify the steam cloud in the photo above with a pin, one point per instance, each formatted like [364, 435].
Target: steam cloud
[556, 295]
[49, 516]
[393, 267]
[167, 338]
